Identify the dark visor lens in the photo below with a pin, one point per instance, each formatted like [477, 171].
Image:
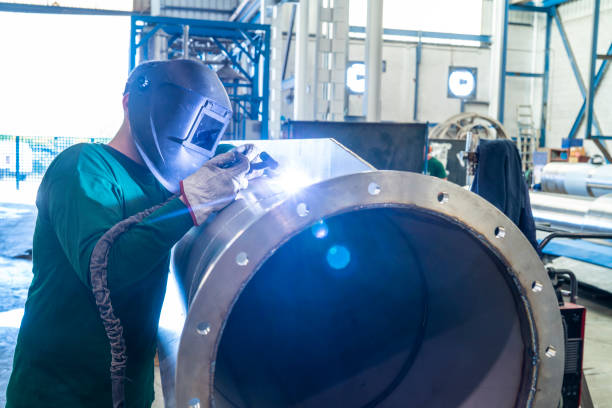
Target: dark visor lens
[207, 132]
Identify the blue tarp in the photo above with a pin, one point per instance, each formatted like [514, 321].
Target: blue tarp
[581, 250]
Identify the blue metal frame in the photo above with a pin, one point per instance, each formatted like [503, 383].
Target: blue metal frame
[591, 90]
[545, 82]
[569, 51]
[248, 53]
[485, 39]
[596, 82]
[525, 74]
[550, 8]
[17, 159]
[502, 85]
[419, 49]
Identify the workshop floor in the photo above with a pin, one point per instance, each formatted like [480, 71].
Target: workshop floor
[16, 227]
[598, 351]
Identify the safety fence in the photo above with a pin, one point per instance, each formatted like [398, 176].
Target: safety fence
[24, 159]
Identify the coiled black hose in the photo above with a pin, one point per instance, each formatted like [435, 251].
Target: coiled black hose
[98, 270]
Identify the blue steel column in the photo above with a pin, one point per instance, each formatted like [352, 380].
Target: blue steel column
[132, 63]
[575, 68]
[545, 81]
[598, 77]
[17, 162]
[416, 78]
[569, 52]
[266, 85]
[502, 80]
[591, 89]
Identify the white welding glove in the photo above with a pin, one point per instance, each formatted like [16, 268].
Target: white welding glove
[217, 182]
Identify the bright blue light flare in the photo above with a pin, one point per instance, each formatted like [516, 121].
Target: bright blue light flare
[320, 230]
[338, 257]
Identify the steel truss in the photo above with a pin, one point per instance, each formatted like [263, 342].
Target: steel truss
[244, 48]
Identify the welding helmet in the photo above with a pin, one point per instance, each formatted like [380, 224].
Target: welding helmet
[178, 111]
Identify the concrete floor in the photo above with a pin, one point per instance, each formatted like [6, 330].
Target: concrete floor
[16, 227]
[597, 364]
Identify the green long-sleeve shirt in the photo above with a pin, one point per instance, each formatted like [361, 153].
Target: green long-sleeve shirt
[62, 357]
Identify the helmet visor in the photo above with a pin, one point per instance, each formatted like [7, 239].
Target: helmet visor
[178, 133]
[208, 128]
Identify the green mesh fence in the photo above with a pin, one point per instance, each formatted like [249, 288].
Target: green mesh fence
[24, 159]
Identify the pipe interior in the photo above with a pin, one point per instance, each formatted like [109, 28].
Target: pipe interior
[375, 307]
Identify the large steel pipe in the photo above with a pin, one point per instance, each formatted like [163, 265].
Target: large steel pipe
[573, 213]
[581, 179]
[377, 288]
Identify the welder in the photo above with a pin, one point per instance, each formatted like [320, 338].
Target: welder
[162, 162]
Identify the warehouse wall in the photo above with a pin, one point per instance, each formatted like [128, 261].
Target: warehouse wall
[398, 80]
[526, 54]
[565, 96]
[522, 58]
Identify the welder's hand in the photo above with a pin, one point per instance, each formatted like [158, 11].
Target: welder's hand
[217, 182]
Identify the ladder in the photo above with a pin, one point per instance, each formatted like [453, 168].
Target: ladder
[526, 139]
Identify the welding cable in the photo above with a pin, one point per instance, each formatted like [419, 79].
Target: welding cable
[98, 269]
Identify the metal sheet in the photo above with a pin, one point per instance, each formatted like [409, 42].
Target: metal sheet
[387, 146]
[272, 322]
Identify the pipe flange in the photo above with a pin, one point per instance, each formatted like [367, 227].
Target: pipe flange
[229, 272]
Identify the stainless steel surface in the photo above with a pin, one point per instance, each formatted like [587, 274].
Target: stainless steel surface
[577, 179]
[427, 296]
[574, 213]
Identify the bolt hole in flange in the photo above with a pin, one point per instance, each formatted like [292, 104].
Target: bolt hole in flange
[537, 286]
[203, 328]
[302, 209]
[194, 403]
[551, 351]
[500, 232]
[242, 259]
[443, 198]
[373, 188]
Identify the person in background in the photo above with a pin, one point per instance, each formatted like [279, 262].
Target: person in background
[435, 167]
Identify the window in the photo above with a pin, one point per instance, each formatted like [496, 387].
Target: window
[62, 75]
[442, 16]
